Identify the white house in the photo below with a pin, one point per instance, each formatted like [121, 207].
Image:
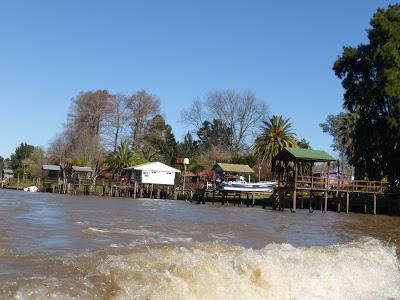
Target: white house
[154, 173]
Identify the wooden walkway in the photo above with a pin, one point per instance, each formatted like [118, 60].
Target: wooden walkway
[328, 185]
[354, 186]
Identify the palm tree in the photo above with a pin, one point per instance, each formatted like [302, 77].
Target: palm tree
[121, 158]
[277, 133]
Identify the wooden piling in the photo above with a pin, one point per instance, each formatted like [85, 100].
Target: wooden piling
[365, 205]
[374, 204]
[294, 201]
[347, 202]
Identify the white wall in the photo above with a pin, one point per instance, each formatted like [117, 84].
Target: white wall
[156, 177]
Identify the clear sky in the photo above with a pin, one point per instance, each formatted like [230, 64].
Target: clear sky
[178, 50]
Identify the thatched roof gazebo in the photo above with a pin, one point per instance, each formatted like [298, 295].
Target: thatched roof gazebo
[232, 170]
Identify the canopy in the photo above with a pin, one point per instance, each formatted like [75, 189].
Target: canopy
[232, 168]
[298, 154]
[51, 168]
[82, 169]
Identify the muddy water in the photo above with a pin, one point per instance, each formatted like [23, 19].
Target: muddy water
[67, 247]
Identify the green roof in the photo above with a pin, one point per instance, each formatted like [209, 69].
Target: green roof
[291, 154]
[232, 168]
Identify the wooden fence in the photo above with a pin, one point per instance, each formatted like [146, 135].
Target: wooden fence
[335, 184]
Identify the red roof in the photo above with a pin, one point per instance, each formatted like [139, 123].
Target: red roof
[206, 173]
[190, 174]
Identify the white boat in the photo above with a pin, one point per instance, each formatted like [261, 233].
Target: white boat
[32, 189]
[242, 186]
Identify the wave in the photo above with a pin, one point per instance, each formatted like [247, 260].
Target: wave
[363, 269]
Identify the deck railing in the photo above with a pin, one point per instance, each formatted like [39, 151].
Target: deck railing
[323, 183]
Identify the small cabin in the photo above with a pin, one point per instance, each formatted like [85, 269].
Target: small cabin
[153, 173]
[7, 174]
[51, 173]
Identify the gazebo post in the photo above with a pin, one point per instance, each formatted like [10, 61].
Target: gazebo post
[326, 188]
[294, 187]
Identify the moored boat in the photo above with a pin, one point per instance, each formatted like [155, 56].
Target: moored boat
[242, 186]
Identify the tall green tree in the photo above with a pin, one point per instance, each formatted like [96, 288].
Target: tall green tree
[188, 147]
[370, 75]
[159, 140]
[277, 133]
[214, 133]
[22, 152]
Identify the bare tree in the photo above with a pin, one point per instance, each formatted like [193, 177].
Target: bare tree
[117, 122]
[89, 111]
[142, 107]
[88, 148]
[195, 115]
[241, 112]
[210, 157]
[87, 120]
[59, 152]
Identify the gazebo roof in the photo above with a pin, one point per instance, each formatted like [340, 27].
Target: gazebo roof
[232, 168]
[51, 168]
[82, 169]
[298, 154]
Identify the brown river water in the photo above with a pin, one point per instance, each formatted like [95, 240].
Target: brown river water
[72, 247]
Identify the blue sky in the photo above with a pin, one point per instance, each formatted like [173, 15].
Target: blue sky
[178, 50]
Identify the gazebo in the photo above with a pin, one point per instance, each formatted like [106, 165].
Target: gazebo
[297, 156]
[81, 175]
[232, 170]
[51, 173]
[51, 177]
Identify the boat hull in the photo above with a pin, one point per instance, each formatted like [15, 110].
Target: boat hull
[248, 187]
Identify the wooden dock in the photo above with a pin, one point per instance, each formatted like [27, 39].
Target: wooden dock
[339, 187]
[305, 192]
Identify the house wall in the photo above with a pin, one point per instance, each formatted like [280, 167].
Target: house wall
[155, 177]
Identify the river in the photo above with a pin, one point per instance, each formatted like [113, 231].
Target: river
[67, 247]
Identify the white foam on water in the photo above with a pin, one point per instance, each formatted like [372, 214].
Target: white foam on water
[93, 229]
[82, 222]
[365, 269]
